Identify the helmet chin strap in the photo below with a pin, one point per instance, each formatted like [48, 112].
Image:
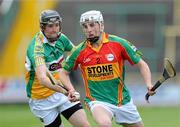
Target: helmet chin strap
[53, 39]
[93, 40]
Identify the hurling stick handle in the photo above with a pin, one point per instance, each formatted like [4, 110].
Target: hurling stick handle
[56, 82]
[158, 83]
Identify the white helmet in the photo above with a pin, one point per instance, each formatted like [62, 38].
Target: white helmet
[92, 15]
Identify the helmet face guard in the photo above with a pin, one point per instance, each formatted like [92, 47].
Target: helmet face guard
[50, 17]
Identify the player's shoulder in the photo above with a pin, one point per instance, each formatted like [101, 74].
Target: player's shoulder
[80, 46]
[37, 40]
[63, 37]
[125, 43]
[32, 41]
[120, 40]
[117, 39]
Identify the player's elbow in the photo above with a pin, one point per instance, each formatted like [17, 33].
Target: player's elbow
[142, 64]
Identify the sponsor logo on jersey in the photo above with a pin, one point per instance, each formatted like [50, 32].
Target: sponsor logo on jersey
[134, 48]
[102, 72]
[86, 60]
[110, 57]
[56, 65]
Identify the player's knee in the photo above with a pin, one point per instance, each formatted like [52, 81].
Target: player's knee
[138, 124]
[79, 119]
[85, 124]
[104, 123]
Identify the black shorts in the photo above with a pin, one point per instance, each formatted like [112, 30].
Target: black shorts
[68, 112]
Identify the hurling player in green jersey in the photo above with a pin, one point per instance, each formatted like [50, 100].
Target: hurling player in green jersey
[101, 58]
[46, 101]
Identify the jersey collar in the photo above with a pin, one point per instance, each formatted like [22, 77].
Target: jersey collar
[44, 39]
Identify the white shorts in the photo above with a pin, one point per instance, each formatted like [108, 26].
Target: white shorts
[124, 114]
[49, 108]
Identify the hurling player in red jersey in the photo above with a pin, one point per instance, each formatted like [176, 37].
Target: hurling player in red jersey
[101, 58]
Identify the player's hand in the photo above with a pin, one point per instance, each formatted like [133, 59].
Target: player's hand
[150, 92]
[73, 96]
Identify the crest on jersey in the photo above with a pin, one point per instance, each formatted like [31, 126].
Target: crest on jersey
[110, 57]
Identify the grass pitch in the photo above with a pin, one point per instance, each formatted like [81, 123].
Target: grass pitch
[20, 116]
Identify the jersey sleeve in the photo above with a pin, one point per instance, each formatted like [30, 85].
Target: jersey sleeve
[73, 59]
[71, 62]
[131, 53]
[39, 51]
[39, 55]
[35, 52]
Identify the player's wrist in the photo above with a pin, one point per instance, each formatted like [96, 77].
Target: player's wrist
[71, 90]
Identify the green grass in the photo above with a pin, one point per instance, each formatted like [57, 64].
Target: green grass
[20, 116]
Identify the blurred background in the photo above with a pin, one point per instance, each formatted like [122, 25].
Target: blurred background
[153, 26]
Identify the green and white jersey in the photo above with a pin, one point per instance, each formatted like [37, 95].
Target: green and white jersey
[39, 52]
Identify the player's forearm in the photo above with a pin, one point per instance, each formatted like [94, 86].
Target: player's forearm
[145, 72]
[64, 77]
[47, 83]
[44, 80]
